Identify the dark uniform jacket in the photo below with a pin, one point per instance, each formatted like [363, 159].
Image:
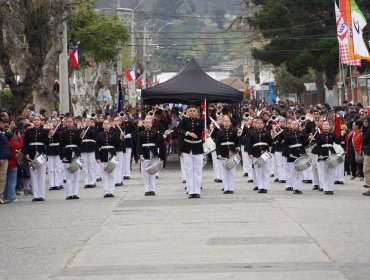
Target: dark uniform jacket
[128, 128]
[88, 143]
[243, 138]
[150, 141]
[324, 144]
[105, 145]
[259, 142]
[70, 142]
[278, 142]
[53, 147]
[294, 143]
[35, 140]
[120, 145]
[227, 141]
[189, 144]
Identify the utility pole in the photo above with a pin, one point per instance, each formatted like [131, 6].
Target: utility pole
[132, 95]
[63, 74]
[145, 55]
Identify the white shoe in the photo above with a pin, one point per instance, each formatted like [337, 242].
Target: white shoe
[15, 200]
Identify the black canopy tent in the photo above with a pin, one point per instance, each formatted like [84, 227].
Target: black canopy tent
[190, 86]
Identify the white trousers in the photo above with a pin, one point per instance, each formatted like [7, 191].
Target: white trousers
[89, 168]
[273, 165]
[296, 177]
[73, 181]
[228, 178]
[55, 167]
[108, 179]
[247, 164]
[287, 172]
[326, 176]
[262, 175]
[118, 171]
[149, 180]
[182, 166]
[280, 168]
[339, 172]
[127, 162]
[194, 169]
[217, 166]
[38, 181]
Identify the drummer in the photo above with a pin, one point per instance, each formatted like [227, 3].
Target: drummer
[34, 144]
[294, 142]
[70, 142]
[149, 142]
[244, 136]
[259, 143]
[325, 149]
[217, 164]
[227, 144]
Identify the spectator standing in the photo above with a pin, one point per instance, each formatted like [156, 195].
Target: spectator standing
[366, 150]
[353, 146]
[4, 157]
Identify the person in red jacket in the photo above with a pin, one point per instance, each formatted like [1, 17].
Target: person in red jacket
[15, 143]
[353, 146]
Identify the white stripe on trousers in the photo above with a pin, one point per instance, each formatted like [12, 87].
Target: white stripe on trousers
[194, 169]
[55, 167]
[73, 181]
[326, 176]
[217, 166]
[228, 178]
[182, 166]
[89, 168]
[127, 162]
[149, 180]
[38, 181]
[262, 175]
[118, 171]
[296, 177]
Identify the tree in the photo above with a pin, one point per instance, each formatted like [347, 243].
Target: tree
[301, 34]
[30, 44]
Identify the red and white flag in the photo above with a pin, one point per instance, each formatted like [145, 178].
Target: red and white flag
[140, 82]
[130, 74]
[73, 56]
[150, 83]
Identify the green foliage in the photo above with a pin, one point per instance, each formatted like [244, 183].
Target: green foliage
[6, 93]
[99, 35]
[287, 83]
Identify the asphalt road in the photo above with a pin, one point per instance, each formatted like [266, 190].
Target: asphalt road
[241, 236]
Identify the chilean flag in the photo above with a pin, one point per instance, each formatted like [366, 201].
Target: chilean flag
[73, 56]
[130, 74]
[140, 82]
[150, 83]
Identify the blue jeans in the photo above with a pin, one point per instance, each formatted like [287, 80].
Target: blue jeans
[11, 182]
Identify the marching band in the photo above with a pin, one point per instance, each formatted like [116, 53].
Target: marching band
[294, 149]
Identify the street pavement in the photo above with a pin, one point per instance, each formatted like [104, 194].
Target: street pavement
[241, 236]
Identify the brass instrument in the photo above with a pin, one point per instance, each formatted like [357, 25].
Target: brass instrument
[218, 113]
[246, 115]
[121, 114]
[150, 113]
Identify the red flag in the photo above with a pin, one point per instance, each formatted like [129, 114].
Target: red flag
[150, 83]
[140, 82]
[73, 56]
[130, 74]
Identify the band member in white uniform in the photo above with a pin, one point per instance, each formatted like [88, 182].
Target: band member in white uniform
[247, 162]
[227, 143]
[106, 141]
[54, 163]
[325, 148]
[192, 150]
[70, 142]
[277, 134]
[148, 143]
[294, 142]
[259, 143]
[34, 144]
[88, 143]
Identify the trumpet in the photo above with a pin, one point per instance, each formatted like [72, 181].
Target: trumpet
[150, 113]
[246, 115]
[218, 113]
[91, 116]
[273, 117]
[121, 114]
[302, 118]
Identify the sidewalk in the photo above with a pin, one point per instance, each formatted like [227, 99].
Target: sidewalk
[242, 236]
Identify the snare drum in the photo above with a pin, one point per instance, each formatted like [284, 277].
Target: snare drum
[208, 146]
[302, 163]
[263, 158]
[38, 161]
[154, 165]
[232, 161]
[334, 160]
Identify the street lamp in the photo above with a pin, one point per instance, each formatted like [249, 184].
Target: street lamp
[156, 70]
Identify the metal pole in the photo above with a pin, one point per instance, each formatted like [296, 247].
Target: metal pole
[133, 83]
[144, 56]
[63, 74]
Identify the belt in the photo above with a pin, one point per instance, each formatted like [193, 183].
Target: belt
[88, 140]
[227, 143]
[37, 144]
[71, 146]
[327, 145]
[260, 144]
[148, 145]
[193, 142]
[53, 144]
[106, 147]
[295, 146]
